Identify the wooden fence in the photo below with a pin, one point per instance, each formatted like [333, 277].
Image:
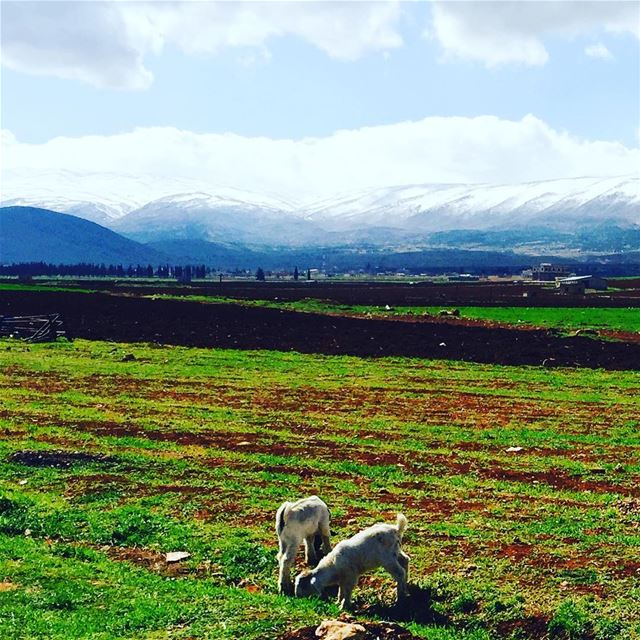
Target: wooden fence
[33, 328]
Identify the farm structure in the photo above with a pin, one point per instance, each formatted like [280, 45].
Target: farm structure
[579, 284]
[548, 272]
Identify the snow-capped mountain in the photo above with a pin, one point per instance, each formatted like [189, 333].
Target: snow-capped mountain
[438, 207]
[160, 209]
[100, 212]
[105, 197]
[223, 217]
[93, 196]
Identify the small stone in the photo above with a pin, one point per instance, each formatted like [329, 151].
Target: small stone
[22, 482]
[564, 584]
[27, 532]
[337, 630]
[514, 449]
[176, 556]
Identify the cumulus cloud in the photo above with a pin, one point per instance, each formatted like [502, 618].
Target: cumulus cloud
[437, 149]
[598, 51]
[497, 33]
[87, 41]
[105, 43]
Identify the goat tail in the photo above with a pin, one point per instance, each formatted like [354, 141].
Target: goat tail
[401, 524]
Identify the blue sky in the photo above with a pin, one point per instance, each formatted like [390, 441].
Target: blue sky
[306, 70]
[300, 91]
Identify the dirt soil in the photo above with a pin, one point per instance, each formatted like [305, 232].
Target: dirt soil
[57, 459]
[426, 293]
[129, 319]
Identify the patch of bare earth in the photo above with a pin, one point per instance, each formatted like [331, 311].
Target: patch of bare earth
[99, 483]
[533, 627]
[154, 561]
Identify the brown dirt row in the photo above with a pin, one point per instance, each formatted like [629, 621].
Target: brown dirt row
[387, 293]
[321, 449]
[431, 407]
[130, 319]
[534, 555]
[458, 321]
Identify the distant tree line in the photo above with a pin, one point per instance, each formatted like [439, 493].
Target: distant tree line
[180, 272]
[184, 273]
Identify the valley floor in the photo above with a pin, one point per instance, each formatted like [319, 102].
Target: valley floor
[520, 484]
[327, 329]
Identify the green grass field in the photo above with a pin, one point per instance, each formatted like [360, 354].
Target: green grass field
[194, 449]
[562, 318]
[568, 318]
[15, 286]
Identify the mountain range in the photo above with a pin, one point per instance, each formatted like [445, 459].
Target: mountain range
[570, 217]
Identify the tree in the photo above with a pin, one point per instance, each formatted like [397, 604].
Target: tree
[260, 274]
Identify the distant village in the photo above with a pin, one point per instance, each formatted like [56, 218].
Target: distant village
[545, 273]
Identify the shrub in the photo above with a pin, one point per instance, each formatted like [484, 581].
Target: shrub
[571, 622]
[14, 515]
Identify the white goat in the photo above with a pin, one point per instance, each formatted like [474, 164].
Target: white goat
[297, 522]
[377, 546]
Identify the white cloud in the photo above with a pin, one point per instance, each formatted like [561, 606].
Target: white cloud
[598, 51]
[438, 149]
[104, 43]
[497, 33]
[88, 41]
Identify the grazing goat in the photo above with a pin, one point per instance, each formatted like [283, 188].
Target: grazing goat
[297, 522]
[377, 546]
